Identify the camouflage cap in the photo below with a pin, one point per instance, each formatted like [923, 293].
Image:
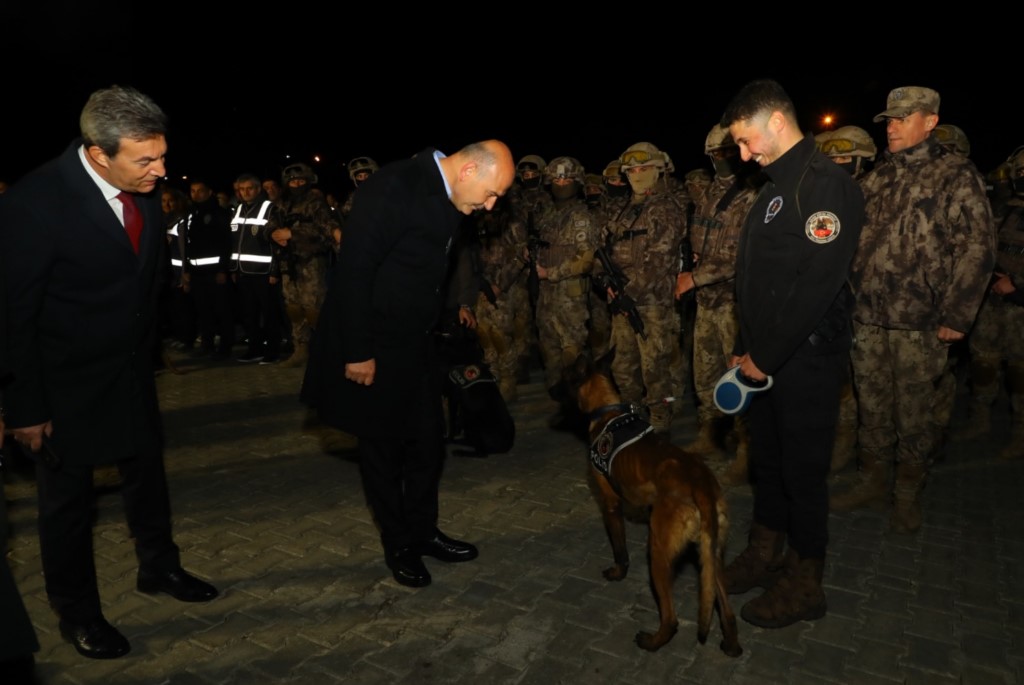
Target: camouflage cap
[907, 100]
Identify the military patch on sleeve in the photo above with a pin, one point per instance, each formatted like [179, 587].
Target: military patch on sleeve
[774, 207]
[581, 237]
[822, 227]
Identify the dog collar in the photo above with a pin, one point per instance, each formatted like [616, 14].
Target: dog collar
[622, 407]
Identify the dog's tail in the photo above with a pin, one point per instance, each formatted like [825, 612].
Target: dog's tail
[710, 565]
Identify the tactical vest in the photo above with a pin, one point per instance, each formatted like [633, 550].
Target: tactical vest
[253, 254]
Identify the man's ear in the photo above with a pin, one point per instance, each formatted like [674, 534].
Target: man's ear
[931, 121]
[98, 156]
[468, 169]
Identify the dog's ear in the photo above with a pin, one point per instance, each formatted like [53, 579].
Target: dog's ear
[579, 371]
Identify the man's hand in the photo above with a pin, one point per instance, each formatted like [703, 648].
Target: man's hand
[221, 278]
[32, 436]
[272, 280]
[361, 372]
[684, 283]
[1003, 284]
[542, 272]
[948, 335]
[466, 317]
[281, 236]
[749, 369]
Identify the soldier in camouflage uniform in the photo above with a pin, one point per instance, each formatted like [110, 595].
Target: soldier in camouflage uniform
[500, 267]
[998, 333]
[644, 242]
[565, 254]
[921, 269]
[852, 148]
[600, 325]
[359, 169]
[718, 218]
[307, 230]
[527, 200]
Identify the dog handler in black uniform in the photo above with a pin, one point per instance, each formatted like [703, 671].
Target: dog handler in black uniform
[794, 313]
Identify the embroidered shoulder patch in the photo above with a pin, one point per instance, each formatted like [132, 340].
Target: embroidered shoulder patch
[822, 227]
[774, 207]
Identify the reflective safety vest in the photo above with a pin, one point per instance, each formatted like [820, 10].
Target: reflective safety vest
[254, 253]
[177, 245]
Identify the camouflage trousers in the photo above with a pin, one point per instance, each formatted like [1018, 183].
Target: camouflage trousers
[494, 328]
[998, 335]
[600, 327]
[303, 296]
[714, 335]
[641, 367]
[897, 374]
[561, 327]
[523, 331]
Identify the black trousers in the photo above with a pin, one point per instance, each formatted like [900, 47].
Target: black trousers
[213, 302]
[792, 430]
[261, 312]
[66, 511]
[401, 475]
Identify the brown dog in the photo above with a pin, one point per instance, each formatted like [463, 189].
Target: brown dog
[680, 492]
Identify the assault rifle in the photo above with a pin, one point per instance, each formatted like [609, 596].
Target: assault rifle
[612, 278]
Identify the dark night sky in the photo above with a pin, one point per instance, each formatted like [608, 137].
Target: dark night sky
[233, 109]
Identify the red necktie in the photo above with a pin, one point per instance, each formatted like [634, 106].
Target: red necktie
[132, 219]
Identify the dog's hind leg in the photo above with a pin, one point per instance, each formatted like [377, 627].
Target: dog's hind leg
[730, 636]
[672, 527]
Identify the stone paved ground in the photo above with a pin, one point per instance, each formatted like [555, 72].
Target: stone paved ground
[269, 508]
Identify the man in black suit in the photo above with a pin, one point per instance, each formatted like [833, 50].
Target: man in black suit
[371, 368]
[80, 241]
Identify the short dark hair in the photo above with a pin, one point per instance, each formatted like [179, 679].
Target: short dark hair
[249, 178]
[758, 97]
[120, 112]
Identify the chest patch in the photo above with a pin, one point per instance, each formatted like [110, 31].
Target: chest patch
[822, 227]
[774, 207]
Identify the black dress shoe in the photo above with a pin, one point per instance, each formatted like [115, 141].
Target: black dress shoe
[179, 584]
[445, 548]
[96, 639]
[407, 567]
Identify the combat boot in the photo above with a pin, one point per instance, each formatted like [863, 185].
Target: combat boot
[906, 510]
[738, 472]
[298, 358]
[797, 596]
[872, 483]
[1015, 379]
[705, 444]
[760, 564]
[980, 423]
[844, 448]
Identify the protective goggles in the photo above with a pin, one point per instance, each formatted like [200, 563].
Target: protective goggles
[733, 391]
[837, 147]
[640, 157]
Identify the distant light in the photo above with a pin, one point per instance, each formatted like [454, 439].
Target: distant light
[827, 121]
[316, 158]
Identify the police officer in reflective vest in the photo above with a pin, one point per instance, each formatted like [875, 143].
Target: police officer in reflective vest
[255, 271]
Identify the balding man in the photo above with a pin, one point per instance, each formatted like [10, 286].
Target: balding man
[371, 366]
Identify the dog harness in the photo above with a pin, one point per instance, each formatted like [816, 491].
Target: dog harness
[619, 433]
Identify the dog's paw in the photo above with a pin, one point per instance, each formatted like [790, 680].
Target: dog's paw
[647, 641]
[616, 572]
[733, 650]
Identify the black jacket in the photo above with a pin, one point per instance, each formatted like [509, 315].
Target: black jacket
[81, 314]
[794, 259]
[384, 298]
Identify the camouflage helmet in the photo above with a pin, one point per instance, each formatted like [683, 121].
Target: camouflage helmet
[613, 170]
[1016, 163]
[303, 171]
[564, 167]
[595, 180]
[530, 163]
[642, 154]
[952, 137]
[698, 176]
[1000, 174]
[718, 138]
[360, 165]
[847, 141]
